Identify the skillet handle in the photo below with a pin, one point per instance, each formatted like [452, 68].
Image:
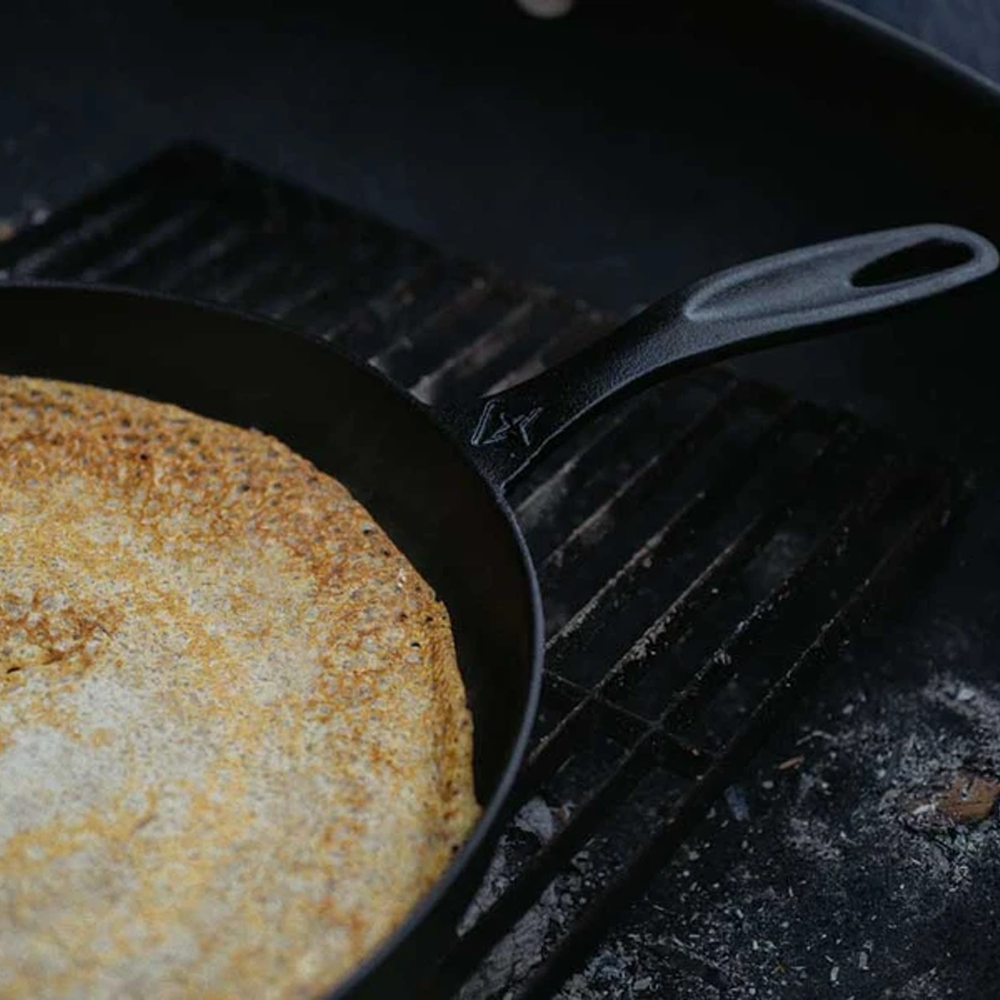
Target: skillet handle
[791, 296]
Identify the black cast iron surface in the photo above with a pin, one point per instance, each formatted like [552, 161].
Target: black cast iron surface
[702, 552]
[703, 141]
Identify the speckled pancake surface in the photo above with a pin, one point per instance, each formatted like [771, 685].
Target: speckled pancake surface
[234, 745]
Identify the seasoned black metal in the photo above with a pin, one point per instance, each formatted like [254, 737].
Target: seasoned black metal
[352, 422]
[656, 534]
[747, 307]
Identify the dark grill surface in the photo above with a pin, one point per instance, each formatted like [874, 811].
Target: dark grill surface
[702, 551]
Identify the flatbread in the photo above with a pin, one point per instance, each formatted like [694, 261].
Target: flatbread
[234, 744]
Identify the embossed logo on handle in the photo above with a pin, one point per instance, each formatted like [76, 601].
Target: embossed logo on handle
[496, 426]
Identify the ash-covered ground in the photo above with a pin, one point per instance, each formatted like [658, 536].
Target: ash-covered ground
[860, 858]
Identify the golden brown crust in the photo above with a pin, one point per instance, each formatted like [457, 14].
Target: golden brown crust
[234, 746]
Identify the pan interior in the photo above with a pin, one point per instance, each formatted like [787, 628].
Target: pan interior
[351, 424]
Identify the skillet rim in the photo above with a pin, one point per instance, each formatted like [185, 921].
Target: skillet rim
[487, 827]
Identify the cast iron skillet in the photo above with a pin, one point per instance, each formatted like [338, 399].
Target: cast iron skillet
[436, 481]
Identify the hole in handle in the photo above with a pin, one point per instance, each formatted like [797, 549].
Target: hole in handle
[929, 257]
